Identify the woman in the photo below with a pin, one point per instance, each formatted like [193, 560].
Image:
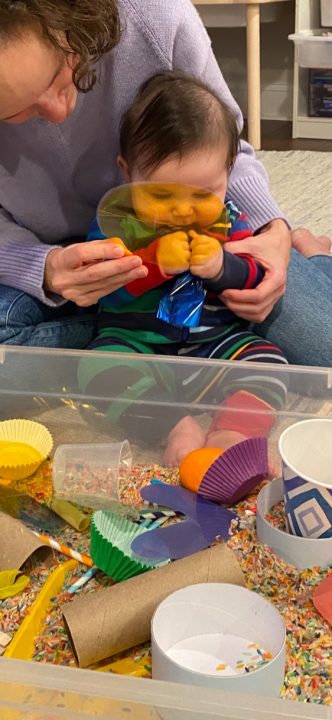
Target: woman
[67, 73]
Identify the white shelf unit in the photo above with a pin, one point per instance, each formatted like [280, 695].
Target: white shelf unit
[311, 50]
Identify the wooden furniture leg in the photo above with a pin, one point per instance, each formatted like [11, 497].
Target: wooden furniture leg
[253, 75]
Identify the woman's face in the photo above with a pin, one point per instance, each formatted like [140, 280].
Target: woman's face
[35, 81]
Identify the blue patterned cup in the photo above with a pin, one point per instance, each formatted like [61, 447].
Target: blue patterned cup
[306, 453]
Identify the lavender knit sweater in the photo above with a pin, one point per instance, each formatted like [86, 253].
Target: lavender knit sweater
[52, 176]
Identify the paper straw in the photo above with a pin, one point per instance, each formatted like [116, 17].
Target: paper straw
[148, 514]
[152, 520]
[83, 580]
[65, 550]
[152, 524]
[157, 523]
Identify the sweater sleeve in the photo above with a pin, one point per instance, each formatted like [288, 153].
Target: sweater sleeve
[23, 259]
[192, 53]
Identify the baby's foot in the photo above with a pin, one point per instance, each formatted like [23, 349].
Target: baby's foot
[309, 245]
[223, 439]
[186, 436]
[227, 438]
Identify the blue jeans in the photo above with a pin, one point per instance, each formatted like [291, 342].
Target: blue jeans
[27, 321]
[301, 322]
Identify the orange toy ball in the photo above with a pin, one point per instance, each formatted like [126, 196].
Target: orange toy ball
[194, 466]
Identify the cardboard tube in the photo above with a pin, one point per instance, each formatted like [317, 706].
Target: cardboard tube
[17, 543]
[119, 617]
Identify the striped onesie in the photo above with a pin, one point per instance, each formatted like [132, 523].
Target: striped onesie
[128, 323]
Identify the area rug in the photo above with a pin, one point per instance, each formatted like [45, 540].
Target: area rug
[301, 182]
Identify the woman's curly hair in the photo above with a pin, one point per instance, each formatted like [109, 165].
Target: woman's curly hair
[87, 28]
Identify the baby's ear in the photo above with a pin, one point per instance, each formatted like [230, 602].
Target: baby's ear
[123, 165]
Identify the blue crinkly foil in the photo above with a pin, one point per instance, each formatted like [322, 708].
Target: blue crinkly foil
[182, 304]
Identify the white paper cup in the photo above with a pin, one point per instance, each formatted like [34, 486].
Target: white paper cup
[306, 453]
[301, 552]
[89, 474]
[200, 633]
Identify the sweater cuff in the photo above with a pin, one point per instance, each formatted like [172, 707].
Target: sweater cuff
[252, 196]
[32, 282]
[25, 269]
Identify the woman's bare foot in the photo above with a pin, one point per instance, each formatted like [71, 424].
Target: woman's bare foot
[309, 245]
[186, 436]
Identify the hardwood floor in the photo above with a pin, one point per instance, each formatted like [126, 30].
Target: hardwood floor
[277, 135]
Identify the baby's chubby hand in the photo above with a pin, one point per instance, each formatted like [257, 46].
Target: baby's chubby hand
[207, 256]
[173, 253]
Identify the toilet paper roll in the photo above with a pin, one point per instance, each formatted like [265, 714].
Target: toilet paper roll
[17, 543]
[119, 617]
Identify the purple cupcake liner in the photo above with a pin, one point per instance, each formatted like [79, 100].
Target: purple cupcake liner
[236, 472]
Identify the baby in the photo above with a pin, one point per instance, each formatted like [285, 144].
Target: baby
[178, 144]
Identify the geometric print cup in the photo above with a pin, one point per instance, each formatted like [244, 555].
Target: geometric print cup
[306, 452]
[308, 509]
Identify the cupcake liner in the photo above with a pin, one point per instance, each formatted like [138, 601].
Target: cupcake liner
[111, 538]
[236, 472]
[24, 445]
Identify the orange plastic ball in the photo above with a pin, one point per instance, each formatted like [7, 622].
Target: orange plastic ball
[194, 466]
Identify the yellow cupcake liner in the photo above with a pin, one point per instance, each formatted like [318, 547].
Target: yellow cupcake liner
[24, 445]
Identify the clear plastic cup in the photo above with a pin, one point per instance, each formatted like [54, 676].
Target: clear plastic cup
[90, 474]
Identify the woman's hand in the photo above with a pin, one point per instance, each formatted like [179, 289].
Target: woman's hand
[271, 249]
[86, 272]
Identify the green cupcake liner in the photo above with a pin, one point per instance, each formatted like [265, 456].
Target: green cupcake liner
[111, 538]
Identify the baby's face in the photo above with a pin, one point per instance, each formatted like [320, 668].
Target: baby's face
[182, 192]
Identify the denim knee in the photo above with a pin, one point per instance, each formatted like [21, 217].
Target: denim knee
[17, 311]
[24, 320]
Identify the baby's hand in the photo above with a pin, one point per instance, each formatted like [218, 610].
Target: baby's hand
[207, 256]
[173, 253]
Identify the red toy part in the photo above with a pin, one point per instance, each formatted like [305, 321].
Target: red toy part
[245, 413]
[322, 598]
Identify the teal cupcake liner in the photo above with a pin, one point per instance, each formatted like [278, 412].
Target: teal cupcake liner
[111, 538]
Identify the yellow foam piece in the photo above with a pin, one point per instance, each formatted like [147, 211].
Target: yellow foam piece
[126, 666]
[23, 644]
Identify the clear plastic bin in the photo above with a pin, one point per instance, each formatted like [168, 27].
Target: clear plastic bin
[314, 48]
[46, 385]
[32, 692]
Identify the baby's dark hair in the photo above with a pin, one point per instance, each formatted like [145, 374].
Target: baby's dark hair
[175, 114]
